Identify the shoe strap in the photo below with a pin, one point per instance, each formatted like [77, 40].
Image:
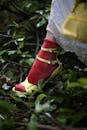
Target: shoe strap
[48, 61]
[29, 87]
[51, 50]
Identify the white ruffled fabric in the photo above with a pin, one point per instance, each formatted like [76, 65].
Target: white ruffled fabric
[59, 11]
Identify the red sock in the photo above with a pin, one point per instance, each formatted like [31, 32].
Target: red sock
[41, 70]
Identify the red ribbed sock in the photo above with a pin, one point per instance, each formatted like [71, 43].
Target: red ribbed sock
[42, 70]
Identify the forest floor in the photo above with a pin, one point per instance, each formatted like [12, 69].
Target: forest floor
[54, 107]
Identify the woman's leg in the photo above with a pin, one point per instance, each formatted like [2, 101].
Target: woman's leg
[41, 70]
[44, 65]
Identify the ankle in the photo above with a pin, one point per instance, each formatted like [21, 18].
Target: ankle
[44, 51]
[49, 43]
[50, 36]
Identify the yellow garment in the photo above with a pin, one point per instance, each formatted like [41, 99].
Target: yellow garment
[75, 25]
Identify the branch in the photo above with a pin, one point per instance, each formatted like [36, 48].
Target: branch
[6, 36]
[48, 127]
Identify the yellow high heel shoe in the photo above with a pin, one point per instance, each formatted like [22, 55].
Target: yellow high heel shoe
[29, 88]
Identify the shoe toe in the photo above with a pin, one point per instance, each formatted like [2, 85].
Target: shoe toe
[19, 87]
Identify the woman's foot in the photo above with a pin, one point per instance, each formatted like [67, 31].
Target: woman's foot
[45, 65]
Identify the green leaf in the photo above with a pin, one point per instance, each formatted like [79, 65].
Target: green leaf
[83, 80]
[17, 99]
[65, 110]
[41, 97]
[32, 125]
[2, 92]
[11, 52]
[6, 107]
[41, 23]
[20, 39]
[14, 24]
[73, 84]
[2, 117]
[76, 117]
[29, 61]
[62, 119]
[42, 107]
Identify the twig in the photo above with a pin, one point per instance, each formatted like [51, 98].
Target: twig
[6, 36]
[21, 75]
[5, 66]
[13, 62]
[19, 9]
[31, 44]
[51, 118]
[40, 126]
[37, 43]
[48, 127]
